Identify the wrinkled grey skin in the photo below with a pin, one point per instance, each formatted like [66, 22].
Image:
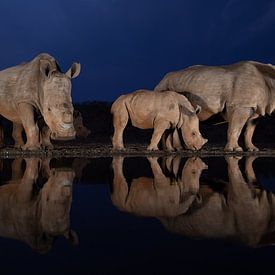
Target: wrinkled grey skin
[38, 86]
[242, 212]
[241, 92]
[37, 216]
[160, 111]
[159, 196]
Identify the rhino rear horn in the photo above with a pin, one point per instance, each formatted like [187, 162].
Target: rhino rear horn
[74, 71]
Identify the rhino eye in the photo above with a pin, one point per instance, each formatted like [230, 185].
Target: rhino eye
[49, 109]
[193, 133]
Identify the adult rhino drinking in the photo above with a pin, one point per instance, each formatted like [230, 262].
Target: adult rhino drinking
[39, 86]
[241, 92]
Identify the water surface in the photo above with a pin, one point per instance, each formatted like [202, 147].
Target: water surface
[137, 215]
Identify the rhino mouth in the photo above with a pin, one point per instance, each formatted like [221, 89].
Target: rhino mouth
[56, 136]
[64, 132]
[63, 137]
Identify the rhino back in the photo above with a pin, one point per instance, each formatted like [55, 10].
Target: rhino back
[212, 87]
[145, 106]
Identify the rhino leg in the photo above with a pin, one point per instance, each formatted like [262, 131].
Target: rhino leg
[159, 177]
[16, 168]
[32, 132]
[17, 130]
[168, 143]
[120, 121]
[45, 138]
[159, 128]
[249, 171]
[250, 128]
[120, 189]
[176, 140]
[237, 118]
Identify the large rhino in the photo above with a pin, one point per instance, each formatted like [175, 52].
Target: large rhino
[33, 213]
[241, 92]
[242, 211]
[160, 111]
[160, 196]
[34, 87]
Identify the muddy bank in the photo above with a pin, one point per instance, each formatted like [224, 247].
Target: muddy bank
[96, 150]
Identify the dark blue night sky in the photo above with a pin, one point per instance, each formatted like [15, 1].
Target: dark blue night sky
[124, 45]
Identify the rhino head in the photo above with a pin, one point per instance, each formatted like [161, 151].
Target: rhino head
[57, 108]
[56, 201]
[190, 129]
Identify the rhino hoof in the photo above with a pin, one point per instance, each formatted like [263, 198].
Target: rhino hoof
[152, 148]
[233, 149]
[48, 147]
[30, 148]
[253, 149]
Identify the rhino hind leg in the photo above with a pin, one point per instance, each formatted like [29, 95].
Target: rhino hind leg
[159, 128]
[237, 118]
[250, 128]
[120, 120]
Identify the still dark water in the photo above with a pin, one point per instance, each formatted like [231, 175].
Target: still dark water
[137, 216]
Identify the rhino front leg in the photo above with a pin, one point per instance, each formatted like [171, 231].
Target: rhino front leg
[17, 130]
[45, 138]
[250, 128]
[25, 111]
[159, 128]
[237, 118]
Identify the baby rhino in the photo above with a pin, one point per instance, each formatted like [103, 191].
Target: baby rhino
[160, 111]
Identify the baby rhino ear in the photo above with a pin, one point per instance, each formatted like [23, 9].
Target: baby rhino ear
[198, 109]
[74, 71]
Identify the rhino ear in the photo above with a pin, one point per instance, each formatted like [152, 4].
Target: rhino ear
[46, 67]
[198, 109]
[74, 71]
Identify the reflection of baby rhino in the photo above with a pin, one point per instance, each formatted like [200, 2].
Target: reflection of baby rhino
[158, 196]
[243, 213]
[33, 215]
[160, 111]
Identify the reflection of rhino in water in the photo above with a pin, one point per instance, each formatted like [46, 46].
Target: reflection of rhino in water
[242, 213]
[35, 214]
[241, 92]
[160, 195]
[38, 86]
